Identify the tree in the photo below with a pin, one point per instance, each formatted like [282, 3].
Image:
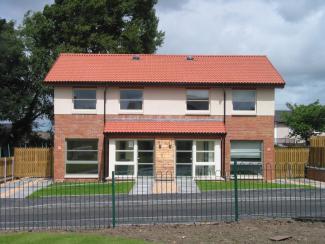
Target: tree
[15, 89]
[305, 120]
[86, 26]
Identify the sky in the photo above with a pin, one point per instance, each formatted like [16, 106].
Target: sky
[290, 32]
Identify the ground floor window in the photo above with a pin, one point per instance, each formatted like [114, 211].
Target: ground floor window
[198, 158]
[81, 157]
[249, 157]
[132, 157]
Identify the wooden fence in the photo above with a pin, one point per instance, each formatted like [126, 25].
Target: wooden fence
[291, 161]
[33, 162]
[317, 141]
[317, 157]
[6, 167]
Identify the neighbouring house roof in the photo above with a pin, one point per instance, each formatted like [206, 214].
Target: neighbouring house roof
[278, 118]
[153, 68]
[165, 126]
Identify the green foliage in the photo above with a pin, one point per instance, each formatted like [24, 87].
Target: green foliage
[86, 26]
[305, 120]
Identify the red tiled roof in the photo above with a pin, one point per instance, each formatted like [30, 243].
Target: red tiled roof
[153, 68]
[166, 127]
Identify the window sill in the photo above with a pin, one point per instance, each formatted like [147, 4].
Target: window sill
[248, 177]
[84, 111]
[198, 112]
[81, 176]
[244, 113]
[131, 112]
[123, 177]
[212, 177]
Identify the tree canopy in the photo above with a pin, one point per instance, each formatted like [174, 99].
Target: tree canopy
[305, 120]
[85, 26]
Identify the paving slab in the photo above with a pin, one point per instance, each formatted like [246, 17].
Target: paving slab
[22, 188]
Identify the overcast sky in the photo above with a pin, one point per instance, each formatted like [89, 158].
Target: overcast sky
[290, 32]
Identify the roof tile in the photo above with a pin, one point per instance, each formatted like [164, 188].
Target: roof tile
[164, 69]
[165, 127]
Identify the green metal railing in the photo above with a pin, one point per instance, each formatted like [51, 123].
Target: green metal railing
[24, 204]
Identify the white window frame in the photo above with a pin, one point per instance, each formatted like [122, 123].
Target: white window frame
[131, 111]
[243, 112]
[84, 111]
[134, 163]
[79, 162]
[247, 176]
[199, 112]
[216, 162]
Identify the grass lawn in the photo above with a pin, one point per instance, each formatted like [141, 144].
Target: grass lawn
[79, 189]
[62, 238]
[206, 185]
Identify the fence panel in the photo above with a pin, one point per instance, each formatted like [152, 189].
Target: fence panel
[291, 161]
[6, 164]
[317, 141]
[33, 162]
[317, 157]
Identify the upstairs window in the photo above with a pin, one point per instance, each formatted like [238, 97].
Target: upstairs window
[197, 100]
[84, 99]
[131, 99]
[244, 100]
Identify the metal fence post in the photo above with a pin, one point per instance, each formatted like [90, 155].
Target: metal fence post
[113, 200]
[236, 190]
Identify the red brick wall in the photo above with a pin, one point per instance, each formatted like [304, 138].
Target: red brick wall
[260, 128]
[75, 126]
[315, 174]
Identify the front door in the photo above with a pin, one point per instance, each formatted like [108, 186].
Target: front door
[198, 158]
[130, 157]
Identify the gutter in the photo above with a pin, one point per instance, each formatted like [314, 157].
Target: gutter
[104, 141]
[223, 168]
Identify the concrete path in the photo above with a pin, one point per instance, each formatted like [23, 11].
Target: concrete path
[152, 186]
[302, 181]
[142, 186]
[22, 188]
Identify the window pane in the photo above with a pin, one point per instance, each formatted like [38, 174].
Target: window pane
[243, 100]
[184, 170]
[205, 156]
[195, 105]
[184, 157]
[204, 145]
[145, 157]
[145, 145]
[204, 170]
[124, 156]
[124, 170]
[124, 145]
[84, 94]
[82, 156]
[81, 169]
[197, 95]
[130, 104]
[82, 144]
[246, 150]
[145, 170]
[184, 145]
[247, 169]
[131, 94]
[84, 104]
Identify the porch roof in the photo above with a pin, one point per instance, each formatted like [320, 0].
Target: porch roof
[165, 126]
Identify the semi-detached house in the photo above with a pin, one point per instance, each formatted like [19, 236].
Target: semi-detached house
[148, 115]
